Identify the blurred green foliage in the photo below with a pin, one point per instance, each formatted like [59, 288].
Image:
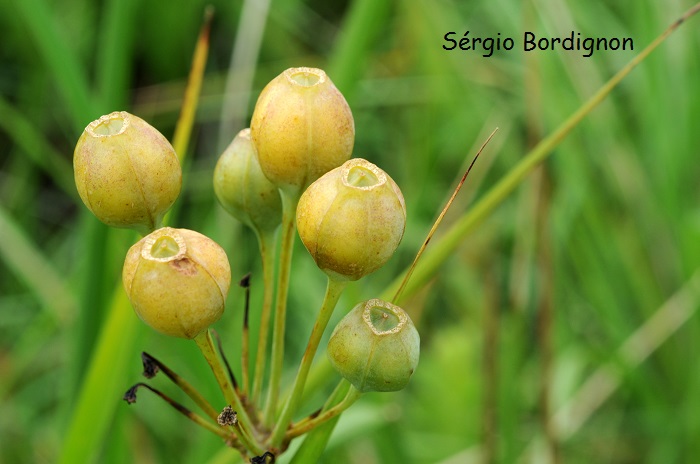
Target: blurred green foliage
[533, 303]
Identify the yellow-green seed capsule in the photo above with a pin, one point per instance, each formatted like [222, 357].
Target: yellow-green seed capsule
[302, 128]
[177, 281]
[352, 219]
[242, 188]
[126, 172]
[375, 347]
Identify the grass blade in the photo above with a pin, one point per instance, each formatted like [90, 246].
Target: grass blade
[114, 53]
[365, 20]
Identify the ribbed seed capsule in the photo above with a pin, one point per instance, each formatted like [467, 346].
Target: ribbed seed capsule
[177, 281]
[242, 188]
[352, 219]
[375, 347]
[126, 172]
[302, 128]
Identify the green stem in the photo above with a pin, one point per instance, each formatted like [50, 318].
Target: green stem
[315, 442]
[248, 441]
[333, 291]
[206, 346]
[289, 205]
[297, 430]
[266, 241]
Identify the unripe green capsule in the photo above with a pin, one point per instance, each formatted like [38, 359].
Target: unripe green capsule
[375, 347]
[302, 128]
[352, 219]
[242, 188]
[126, 172]
[177, 281]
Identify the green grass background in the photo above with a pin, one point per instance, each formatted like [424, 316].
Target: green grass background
[541, 307]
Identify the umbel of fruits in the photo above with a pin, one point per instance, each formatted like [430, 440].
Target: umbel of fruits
[352, 219]
[177, 281]
[242, 188]
[375, 347]
[302, 127]
[126, 172]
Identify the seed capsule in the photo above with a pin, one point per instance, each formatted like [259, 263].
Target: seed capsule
[352, 219]
[375, 347]
[177, 281]
[242, 188]
[126, 172]
[302, 128]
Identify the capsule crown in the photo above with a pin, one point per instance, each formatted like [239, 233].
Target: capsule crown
[375, 347]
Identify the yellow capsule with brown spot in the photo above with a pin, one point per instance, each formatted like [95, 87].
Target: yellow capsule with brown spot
[177, 281]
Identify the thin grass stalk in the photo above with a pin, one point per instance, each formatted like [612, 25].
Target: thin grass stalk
[521, 266]
[545, 315]
[490, 369]
[190, 101]
[541, 245]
